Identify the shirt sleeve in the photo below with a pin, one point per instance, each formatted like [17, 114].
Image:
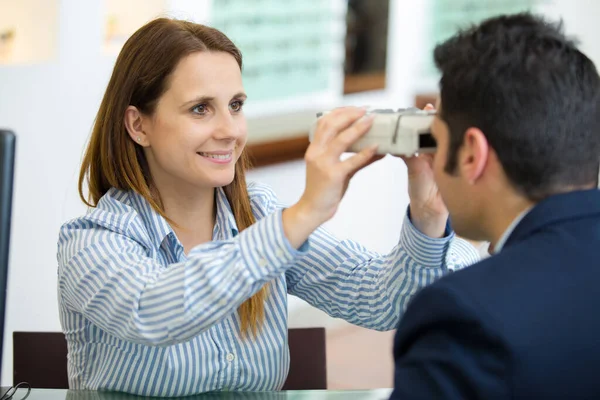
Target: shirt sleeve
[347, 281]
[108, 277]
[460, 253]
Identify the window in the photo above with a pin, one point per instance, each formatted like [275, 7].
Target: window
[289, 48]
[448, 16]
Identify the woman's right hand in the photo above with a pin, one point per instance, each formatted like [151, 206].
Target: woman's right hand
[327, 176]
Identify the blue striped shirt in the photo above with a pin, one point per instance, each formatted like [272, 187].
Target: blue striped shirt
[141, 316]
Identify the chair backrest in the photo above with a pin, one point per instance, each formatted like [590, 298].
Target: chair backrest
[7, 163]
[40, 358]
[308, 359]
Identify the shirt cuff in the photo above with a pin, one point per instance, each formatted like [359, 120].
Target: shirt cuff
[424, 250]
[265, 248]
[461, 254]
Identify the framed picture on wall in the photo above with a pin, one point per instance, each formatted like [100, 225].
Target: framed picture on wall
[366, 45]
[123, 18]
[7, 44]
[28, 31]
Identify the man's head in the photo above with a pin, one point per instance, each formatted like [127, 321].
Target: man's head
[519, 117]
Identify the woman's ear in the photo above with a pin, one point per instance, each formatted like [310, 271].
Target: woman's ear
[475, 152]
[134, 124]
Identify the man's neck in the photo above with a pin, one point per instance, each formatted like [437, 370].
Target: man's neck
[502, 215]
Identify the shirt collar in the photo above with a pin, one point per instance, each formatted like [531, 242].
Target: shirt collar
[225, 225]
[157, 225]
[500, 244]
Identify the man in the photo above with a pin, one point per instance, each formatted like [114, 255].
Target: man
[518, 134]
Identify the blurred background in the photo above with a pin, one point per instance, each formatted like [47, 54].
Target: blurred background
[300, 56]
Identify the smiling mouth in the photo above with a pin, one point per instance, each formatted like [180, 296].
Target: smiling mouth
[220, 157]
[216, 156]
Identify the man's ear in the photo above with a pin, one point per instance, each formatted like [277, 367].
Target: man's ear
[474, 155]
[134, 124]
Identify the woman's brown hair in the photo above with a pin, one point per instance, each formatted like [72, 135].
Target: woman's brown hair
[139, 78]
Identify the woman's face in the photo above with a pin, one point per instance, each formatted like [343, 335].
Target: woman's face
[198, 129]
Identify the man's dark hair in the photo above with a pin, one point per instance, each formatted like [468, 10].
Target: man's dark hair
[533, 94]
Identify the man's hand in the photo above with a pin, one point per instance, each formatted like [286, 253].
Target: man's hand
[427, 209]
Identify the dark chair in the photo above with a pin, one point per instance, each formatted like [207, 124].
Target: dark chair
[40, 358]
[308, 360]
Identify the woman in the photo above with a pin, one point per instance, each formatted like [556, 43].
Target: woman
[176, 282]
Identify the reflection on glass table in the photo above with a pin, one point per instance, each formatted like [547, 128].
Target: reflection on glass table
[59, 394]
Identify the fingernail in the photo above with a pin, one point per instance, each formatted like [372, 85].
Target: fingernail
[368, 117]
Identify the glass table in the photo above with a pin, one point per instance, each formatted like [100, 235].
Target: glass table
[61, 394]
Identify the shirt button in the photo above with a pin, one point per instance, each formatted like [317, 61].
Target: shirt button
[262, 262]
[279, 253]
[230, 357]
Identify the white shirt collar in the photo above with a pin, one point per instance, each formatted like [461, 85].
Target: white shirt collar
[502, 241]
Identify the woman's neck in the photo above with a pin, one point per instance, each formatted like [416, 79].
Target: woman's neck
[193, 212]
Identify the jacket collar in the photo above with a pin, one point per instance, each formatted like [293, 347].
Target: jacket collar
[555, 209]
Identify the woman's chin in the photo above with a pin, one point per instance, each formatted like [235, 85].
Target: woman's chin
[220, 181]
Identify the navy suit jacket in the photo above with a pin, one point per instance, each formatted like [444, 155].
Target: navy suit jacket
[523, 324]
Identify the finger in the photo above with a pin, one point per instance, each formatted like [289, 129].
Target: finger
[426, 156]
[360, 160]
[428, 107]
[417, 157]
[342, 142]
[330, 125]
[410, 160]
[373, 159]
[418, 165]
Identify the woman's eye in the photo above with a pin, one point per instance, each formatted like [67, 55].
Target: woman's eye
[199, 109]
[237, 106]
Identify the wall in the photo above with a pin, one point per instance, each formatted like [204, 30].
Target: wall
[580, 18]
[34, 20]
[51, 106]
